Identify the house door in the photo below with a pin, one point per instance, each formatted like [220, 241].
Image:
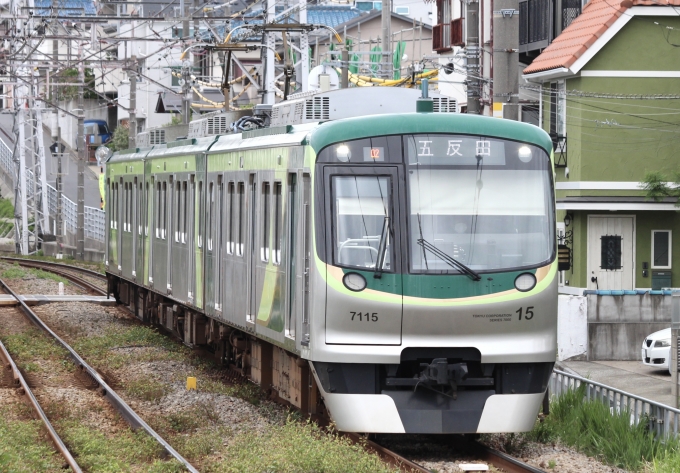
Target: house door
[611, 262]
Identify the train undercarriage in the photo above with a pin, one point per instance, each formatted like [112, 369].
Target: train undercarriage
[285, 377]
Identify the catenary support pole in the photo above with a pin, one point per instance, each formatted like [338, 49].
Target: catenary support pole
[472, 54]
[82, 156]
[506, 59]
[132, 130]
[386, 40]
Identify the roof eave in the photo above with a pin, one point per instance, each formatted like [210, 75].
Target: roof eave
[550, 74]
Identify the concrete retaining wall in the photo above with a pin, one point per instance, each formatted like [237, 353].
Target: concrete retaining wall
[617, 325]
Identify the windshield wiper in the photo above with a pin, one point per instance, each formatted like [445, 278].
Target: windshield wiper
[382, 247]
[449, 259]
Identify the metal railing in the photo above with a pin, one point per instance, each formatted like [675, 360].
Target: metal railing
[661, 419]
[94, 218]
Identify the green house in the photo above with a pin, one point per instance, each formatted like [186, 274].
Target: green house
[610, 98]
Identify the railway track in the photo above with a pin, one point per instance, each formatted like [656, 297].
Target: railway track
[499, 460]
[104, 390]
[20, 382]
[72, 273]
[480, 452]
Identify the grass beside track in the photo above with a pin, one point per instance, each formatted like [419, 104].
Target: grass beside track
[23, 443]
[288, 445]
[17, 272]
[592, 429]
[96, 436]
[68, 260]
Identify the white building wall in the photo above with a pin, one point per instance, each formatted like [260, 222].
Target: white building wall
[572, 327]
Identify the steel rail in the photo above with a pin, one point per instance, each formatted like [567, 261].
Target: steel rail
[494, 457]
[505, 461]
[116, 401]
[18, 377]
[57, 268]
[89, 272]
[387, 455]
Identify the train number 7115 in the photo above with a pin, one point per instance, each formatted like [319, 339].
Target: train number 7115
[367, 316]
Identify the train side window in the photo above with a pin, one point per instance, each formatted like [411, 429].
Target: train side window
[157, 210]
[201, 206]
[219, 213]
[164, 211]
[241, 203]
[230, 217]
[148, 202]
[178, 213]
[185, 207]
[264, 250]
[211, 205]
[109, 208]
[129, 208]
[140, 207]
[278, 215]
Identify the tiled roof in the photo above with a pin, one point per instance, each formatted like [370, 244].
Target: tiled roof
[597, 17]
[65, 7]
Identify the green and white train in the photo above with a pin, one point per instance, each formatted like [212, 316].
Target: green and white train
[396, 271]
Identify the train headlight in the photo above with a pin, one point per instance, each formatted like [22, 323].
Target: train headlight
[525, 282]
[524, 154]
[343, 153]
[354, 282]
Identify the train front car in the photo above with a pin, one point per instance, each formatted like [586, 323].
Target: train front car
[435, 245]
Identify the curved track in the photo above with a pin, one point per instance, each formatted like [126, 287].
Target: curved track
[109, 394]
[498, 459]
[65, 271]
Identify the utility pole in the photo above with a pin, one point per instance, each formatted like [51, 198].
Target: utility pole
[472, 50]
[59, 224]
[82, 156]
[386, 16]
[506, 59]
[268, 96]
[132, 122]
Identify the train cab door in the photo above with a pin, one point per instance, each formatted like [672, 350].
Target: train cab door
[364, 254]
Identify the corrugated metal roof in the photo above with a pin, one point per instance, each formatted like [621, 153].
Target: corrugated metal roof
[65, 7]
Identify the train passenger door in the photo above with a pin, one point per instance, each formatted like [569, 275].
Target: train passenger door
[363, 252]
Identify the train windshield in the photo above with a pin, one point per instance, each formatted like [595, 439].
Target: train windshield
[485, 203]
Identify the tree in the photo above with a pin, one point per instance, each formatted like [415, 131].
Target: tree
[655, 184]
[120, 140]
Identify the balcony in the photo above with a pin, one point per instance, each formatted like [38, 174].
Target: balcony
[441, 38]
[535, 24]
[457, 38]
[541, 21]
[447, 35]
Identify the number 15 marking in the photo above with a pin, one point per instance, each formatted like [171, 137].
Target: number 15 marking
[528, 313]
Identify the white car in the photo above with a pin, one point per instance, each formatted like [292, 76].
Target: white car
[656, 349]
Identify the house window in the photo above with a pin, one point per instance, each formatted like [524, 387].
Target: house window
[610, 250]
[661, 249]
[401, 10]
[441, 32]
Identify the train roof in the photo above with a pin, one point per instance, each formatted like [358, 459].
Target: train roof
[321, 134]
[415, 123]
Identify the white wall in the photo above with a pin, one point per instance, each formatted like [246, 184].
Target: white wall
[572, 327]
